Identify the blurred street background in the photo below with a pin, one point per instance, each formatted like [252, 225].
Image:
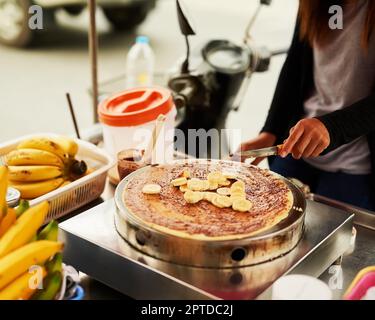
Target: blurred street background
[33, 81]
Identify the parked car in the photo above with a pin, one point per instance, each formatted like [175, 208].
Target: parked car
[14, 16]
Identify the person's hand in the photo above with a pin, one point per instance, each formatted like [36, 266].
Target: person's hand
[307, 139]
[264, 140]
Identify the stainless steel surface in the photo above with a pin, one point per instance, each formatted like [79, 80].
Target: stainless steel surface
[266, 246]
[363, 256]
[261, 153]
[362, 217]
[93, 246]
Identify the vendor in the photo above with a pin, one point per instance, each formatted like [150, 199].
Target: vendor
[323, 111]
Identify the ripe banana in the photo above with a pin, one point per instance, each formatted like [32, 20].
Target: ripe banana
[24, 157]
[69, 146]
[8, 221]
[21, 232]
[32, 190]
[45, 144]
[3, 191]
[20, 288]
[33, 173]
[19, 261]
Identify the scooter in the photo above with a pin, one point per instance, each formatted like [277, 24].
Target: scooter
[213, 79]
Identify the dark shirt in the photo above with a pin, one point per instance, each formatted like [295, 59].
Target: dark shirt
[294, 86]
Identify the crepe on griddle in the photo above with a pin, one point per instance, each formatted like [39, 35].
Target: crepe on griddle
[169, 213]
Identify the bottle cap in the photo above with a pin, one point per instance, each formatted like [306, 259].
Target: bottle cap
[13, 197]
[143, 40]
[135, 107]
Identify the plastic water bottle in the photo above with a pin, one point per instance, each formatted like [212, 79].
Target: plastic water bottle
[140, 64]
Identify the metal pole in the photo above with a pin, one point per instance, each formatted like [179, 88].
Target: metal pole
[93, 49]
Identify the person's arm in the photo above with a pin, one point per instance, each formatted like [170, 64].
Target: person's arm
[286, 98]
[316, 136]
[346, 125]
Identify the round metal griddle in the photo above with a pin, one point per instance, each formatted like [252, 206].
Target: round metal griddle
[263, 247]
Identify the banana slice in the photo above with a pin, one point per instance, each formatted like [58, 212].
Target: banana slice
[234, 199]
[194, 184]
[151, 189]
[213, 185]
[237, 192]
[184, 188]
[224, 183]
[242, 205]
[222, 201]
[208, 196]
[193, 197]
[239, 184]
[205, 185]
[224, 191]
[215, 177]
[198, 185]
[230, 175]
[179, 182]
[186, 174]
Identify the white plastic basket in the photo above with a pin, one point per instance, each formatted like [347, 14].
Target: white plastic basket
[78, 193]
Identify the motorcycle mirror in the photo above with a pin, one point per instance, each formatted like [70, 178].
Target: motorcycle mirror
[184, 19]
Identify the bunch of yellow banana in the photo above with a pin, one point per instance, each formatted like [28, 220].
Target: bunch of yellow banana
[42, 164]
[30, 262]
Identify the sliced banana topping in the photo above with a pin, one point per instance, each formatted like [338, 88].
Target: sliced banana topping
[224, 191]
[242, 205]
[224, 183]
[238, 185]
[198, 185]
[195, 190]
[222, 201]
[205, 185]
[230, 175]
[179, 182]
[237, 192]
[213, 185]
[215, 177]
[151, 189]
[186, 174]
[208, 196]
[184, 188]
[193, 197]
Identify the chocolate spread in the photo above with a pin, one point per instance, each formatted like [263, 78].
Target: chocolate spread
[269, 195]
